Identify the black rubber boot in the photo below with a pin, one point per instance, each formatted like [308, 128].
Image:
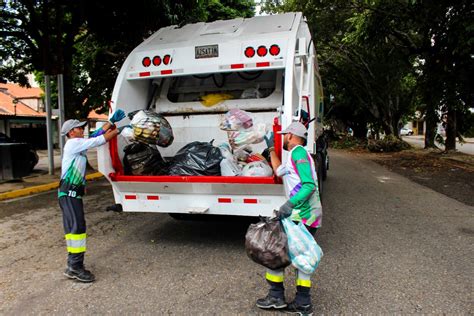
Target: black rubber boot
[302, 303]
[80, 274]
[303, 296]
[275, 298]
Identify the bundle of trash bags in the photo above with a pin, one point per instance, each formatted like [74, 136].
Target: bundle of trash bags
[235, 158]
[239, 158]
[149, 127]
[241, 129]
[266, 243]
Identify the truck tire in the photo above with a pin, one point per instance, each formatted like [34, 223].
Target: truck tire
[325, 167]
[319, 171]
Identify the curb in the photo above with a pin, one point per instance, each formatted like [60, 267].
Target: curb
[41, 188]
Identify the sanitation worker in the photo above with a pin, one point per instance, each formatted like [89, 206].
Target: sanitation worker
[303, 204]
[72, 187]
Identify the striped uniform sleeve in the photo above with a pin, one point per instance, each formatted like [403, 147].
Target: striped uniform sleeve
[308, 186]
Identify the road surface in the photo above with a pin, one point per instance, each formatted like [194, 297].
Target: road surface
[391, 247]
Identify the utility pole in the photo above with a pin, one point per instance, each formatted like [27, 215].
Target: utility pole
[49, 125]
[61, 110]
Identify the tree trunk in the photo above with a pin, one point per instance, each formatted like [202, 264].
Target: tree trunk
[431, 122]
[451, 130]
[360, 131]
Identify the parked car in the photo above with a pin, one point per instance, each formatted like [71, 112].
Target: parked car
[406, 131]
[32, 158]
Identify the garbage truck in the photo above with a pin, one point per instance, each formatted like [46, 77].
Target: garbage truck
[267, 64]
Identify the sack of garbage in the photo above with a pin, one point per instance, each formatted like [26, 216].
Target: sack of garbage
[236, 119]
[142, 159]
[128, 134]
[255, 157]
[212, 99]
[266, 244]
[304, 252]
[226, 151]
[230, 167]
[243, 153]
[197, 159]
[242, 137]
[151, 128]
[257, 169]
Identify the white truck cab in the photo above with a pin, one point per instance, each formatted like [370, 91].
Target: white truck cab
[265, 65]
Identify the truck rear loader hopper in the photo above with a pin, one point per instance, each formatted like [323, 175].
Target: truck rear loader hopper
[268, 66]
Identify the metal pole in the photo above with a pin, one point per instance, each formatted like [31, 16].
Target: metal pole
[49, 129]
[61, 110]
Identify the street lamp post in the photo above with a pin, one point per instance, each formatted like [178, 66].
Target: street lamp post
[15, 102]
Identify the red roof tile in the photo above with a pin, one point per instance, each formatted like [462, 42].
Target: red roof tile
[7, 107]
[20, 92]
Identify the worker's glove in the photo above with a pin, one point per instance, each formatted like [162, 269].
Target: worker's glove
[117, 116]
[121, 128]
[269, 139]
[285, 210]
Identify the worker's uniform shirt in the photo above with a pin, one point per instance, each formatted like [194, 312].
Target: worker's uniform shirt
[73, 168]
[301, 187]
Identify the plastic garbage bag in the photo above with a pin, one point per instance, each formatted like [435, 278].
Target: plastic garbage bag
[242, 137]
[151, 128]
[226, 151]
[304, 252]
[142, 159]
[242, 153]
[236, 119]
[230, 167]
[266, 243]
[255, 157]
[128, 134]
[257, 169]
[197, 159]
[212, 99]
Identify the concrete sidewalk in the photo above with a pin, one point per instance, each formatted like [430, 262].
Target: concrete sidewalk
[40, 180]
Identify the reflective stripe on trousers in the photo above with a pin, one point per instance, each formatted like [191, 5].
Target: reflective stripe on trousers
[303, 279]
[76, 243]
[275, 275]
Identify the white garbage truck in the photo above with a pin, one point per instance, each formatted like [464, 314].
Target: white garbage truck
[269, 66]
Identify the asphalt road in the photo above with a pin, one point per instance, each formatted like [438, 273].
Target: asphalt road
[391, 246]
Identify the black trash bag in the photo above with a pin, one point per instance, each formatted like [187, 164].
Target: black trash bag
[141, 159]
[197, 159]
[266, 243]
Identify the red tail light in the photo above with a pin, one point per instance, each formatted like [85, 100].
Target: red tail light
[262, 51]
[274, 50]
[157, 60]
[167, 59]
[249, 52]
[146, 62]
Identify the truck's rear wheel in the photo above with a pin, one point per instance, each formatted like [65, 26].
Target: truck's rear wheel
[325, 167]
[319, 171]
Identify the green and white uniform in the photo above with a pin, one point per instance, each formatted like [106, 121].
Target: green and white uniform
[71, 190]
[301, 187]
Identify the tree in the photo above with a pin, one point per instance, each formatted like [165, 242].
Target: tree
[87, 41]
[422, 48]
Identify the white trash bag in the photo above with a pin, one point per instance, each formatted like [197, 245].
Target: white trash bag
[243, 137]
[257, 169]
[305, 253]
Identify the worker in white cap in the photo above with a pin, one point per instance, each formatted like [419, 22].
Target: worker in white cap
[303, 205]
[72, 187]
